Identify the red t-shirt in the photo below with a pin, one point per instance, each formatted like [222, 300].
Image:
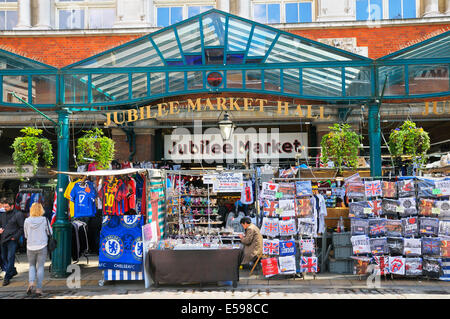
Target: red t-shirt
[130, 201]
[113, 195]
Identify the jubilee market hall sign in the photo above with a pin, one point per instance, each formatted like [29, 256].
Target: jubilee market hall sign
[246, 104]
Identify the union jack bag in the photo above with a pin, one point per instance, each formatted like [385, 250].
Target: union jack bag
[375, 206]
[271, 246]
[406, 188]
[389, 189]
[372, 188]
[270, 207]
[287, 227]
[303, 207]
[413, 266]
[308, 264]
[377, 227]
[270, 227]
[431, 246]
[382, 264]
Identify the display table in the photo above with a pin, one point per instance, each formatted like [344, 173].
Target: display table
[194, 266]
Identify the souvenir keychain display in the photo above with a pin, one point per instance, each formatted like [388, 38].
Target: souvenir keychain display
[398, 226]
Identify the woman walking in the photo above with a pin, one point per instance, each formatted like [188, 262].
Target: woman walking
[36, 229]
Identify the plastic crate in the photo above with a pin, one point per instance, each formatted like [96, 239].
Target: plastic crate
[343, 252]
[341, 266]
[342, 239]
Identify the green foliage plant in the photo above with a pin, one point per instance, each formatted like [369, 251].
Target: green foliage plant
[341, 146]
[409, 141]
[28, 149]
[94, 145]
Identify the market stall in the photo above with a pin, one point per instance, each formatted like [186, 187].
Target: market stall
[196, 233]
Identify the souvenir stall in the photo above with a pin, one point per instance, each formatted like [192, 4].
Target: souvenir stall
[196, 247]
[401, 225]
[122, 197]
[293, 213]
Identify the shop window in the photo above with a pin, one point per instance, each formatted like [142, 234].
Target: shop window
[101, 18]
[369, 10]
[267, 12]
[71, 19]
[8, 20]
[298, 12]
[402, 9]
[168, 15]
[194, 10]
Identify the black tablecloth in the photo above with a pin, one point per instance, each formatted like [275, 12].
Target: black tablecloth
[194, 266]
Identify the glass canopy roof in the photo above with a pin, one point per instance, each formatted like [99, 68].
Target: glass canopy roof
[250, 57]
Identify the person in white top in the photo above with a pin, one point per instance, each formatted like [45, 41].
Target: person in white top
[36, 230]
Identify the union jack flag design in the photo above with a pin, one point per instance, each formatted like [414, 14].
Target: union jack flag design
[308, 264]
[431, 246]
[270, 207]
[382, 264]
[389, 189]
[271, 227]
[375, 205]
[271, 247]
[372, 188]
[287, 227]
[377, 227]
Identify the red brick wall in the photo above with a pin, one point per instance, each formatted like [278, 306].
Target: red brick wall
[380, 41]
[60, 51]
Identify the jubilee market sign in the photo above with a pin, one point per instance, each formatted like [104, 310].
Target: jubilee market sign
[246, 104]
[218, 104]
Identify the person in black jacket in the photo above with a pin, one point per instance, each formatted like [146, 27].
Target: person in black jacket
[11, 229]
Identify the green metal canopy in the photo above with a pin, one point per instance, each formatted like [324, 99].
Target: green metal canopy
[250, 57]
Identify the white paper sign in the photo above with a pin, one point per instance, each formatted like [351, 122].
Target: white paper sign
[444, 187]
[228, 183]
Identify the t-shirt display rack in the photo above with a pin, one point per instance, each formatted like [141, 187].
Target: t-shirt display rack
[180, 219]
[308, 252]
[407, 232]
[110, 274]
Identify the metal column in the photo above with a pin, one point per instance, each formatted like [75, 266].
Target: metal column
[375, 140]
[62, 231]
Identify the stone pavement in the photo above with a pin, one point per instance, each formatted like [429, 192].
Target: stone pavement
[319, 286]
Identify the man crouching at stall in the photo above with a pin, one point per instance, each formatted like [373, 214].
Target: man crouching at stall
[252, 241]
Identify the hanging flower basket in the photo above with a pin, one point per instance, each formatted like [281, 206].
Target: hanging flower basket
[409, 143]
[341, 146]
[30, 148]
[94, 146]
